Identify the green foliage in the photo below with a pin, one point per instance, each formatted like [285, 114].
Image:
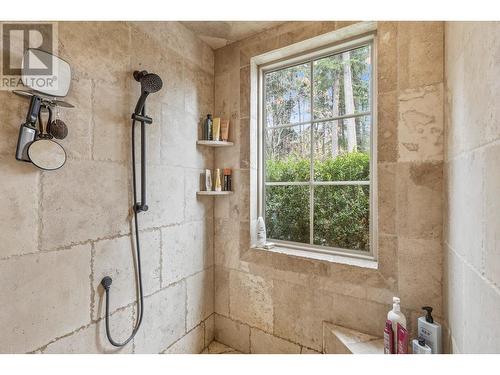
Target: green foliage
[341, 213]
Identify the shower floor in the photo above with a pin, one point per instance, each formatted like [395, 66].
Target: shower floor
[217, 348]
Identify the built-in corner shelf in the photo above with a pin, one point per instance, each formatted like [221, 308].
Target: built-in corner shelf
[215, 143]
[212, 193]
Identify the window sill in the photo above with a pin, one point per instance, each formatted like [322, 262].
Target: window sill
[331, 258]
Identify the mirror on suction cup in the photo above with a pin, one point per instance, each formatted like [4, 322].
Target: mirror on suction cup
[47, 154]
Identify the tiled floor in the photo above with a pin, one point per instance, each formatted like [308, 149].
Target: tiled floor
[218, 348]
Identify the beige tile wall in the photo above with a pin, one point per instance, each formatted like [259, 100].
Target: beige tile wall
[62, 231]
[472, 225]
[274, 302]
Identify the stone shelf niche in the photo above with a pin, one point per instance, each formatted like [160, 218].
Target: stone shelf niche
[341, 340]
[215, 143]
[214, 193]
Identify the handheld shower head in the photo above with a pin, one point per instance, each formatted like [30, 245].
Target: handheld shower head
[150, 83]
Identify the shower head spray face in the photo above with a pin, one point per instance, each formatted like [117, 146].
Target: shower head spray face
[150, 83]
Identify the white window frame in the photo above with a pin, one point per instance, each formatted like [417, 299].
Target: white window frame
[309, 56]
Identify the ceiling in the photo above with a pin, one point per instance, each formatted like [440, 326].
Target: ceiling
[217, 34]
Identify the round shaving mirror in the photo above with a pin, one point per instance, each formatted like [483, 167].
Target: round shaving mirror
[47, 154]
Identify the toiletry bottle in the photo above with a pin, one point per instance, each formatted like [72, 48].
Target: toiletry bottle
[402, 345]
[388, 338]
[227, 179]
[218, 183]
[396, 316]
[430, 331]
[207, 128]
[208, 180]
[420, 347]
[216, 129]
[224, 130]
[261, 233]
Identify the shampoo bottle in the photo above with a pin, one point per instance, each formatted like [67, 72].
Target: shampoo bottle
[396, 316]
[207, 128]
[388, 338]
[430, 331]
[420, 347]
[261, 233]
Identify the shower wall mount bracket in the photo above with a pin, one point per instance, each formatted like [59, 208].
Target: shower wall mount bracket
[142, 118]
[139, 207]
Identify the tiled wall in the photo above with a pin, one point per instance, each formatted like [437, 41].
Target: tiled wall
[62, 231]
[472, 169]
[269, 302]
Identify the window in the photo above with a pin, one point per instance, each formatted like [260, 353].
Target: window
[317, 150]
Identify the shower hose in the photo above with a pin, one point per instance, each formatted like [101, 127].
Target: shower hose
[106, 281]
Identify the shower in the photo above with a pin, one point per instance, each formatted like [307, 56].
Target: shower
[150, 83]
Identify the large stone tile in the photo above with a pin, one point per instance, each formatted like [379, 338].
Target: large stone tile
[19, 200]
[79, 121]
[387, 127]
[299, 313]
[492, 216]
[387, 55]
[418, 288]
[226, 243]
[420, 126]
[245, 92]
[221, 290]
[111, 121]
[200, 297]
[81, 42]
[165, 196]
[482, 321]
[191, 343]
[186, 250]
[227, 58]
[369, 317]
[179, 132]
[388, 256]
[386, 198]
[164, 320]
[232, 333]
[264, 343]
[209, 329]
[466, 210]
[77, 204]
[472, 85]
[251, 300]
[43, 296]
[419, 200]
[196, 208]
[198, 90]
[453, 297]
[12, 115]
[116, 258]
[93, 340]
[420, 53]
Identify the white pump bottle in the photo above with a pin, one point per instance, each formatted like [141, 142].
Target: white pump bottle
[396, 316]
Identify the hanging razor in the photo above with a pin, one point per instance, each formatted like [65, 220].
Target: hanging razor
[28, 131]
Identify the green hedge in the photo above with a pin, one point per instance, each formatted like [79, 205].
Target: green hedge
[341, 213]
